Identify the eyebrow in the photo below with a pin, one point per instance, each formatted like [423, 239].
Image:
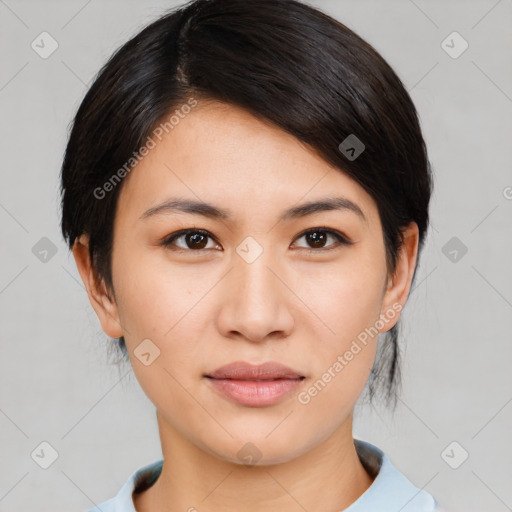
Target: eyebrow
[174, 205]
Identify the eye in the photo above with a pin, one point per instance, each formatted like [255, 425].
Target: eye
[317, 238]
[190, 239]
[197, 240]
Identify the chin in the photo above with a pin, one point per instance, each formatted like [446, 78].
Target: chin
[257, 451]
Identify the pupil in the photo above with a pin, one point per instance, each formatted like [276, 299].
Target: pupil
[195, 240]
[316, 239]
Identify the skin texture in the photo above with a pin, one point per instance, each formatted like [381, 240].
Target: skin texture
[208, 307]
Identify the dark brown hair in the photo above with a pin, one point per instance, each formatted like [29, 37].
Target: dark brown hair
[284, 62]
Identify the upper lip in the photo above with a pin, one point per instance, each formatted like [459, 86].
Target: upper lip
[240, 370]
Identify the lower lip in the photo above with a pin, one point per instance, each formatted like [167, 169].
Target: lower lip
[255, 393]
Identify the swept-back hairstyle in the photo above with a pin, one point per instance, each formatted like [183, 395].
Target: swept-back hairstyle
[284, 62]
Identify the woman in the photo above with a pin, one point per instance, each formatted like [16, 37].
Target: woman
[245, 191]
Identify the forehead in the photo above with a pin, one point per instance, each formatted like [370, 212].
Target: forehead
[223, 155]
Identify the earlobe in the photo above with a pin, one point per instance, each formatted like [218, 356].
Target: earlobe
[104, 306]
[399, 285]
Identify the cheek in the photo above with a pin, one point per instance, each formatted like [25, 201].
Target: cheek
[152, 295]
[168, 305]
[342, 361]
[163, 305]
[346, 301]
[346, 297]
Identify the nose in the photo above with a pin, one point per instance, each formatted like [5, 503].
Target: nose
[255, 301]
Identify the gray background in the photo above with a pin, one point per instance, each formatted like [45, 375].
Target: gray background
[57, 382]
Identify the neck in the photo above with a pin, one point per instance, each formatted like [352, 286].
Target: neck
[328, 477]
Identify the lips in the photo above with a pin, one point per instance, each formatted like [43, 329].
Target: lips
[241, 370]
[255, 385]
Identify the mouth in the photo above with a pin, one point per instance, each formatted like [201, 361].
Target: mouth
[241, 370]
[255, 380]
[254, 385]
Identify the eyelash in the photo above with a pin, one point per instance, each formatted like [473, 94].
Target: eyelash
[341, 240]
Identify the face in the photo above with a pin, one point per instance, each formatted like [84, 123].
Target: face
[261, 283]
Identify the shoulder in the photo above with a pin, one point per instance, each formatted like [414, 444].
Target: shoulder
[391, 490]
[137, 481]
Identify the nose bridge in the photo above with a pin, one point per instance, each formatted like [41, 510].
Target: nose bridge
[252, 260]
[257, 305]
[257, 282]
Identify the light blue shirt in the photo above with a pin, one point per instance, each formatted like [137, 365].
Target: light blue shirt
[390, 491]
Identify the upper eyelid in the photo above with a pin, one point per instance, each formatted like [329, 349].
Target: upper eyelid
[178, 234]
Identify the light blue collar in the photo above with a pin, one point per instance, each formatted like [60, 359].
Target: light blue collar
[390, 491]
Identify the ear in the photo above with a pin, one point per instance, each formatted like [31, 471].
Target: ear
[399, 285]
[105, 307]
